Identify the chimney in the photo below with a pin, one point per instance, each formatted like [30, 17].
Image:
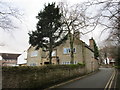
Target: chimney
[91, 43]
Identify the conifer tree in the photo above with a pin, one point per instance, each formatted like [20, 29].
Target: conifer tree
[96, 51]
[49, 33]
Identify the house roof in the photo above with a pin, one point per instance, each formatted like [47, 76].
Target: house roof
[6, 49]
[8, 53]
[87, 46]
[9, 56]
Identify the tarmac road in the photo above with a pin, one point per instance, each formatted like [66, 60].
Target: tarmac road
[97, 80]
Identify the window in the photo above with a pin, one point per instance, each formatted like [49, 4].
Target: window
[33, 64]
[74, 50]
[34, 53]
[75, 62]
[68, 50]
[67, 62]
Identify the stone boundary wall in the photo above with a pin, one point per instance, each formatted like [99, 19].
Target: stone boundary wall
[39, 77]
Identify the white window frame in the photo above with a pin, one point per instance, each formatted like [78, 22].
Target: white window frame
[33, 64]
[34, 54]
[75, 62]
[68, 50]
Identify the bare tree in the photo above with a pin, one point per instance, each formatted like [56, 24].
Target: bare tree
[75, 20]
[109, 15]
[7, 15]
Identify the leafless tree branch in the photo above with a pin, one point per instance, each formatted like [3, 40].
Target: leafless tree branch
[7, 16]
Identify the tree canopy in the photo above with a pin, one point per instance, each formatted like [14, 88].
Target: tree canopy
[49, 33]
[96, 51]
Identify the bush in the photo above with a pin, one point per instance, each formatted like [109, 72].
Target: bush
[118, 67]
[81, 64]
[72, 66]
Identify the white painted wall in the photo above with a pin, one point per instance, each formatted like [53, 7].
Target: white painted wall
[0, 57]
[106, 61]
[22, 58]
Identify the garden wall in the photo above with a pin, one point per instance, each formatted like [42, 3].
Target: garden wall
[39, 77]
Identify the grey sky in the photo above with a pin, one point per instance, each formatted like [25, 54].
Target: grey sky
[17, 39]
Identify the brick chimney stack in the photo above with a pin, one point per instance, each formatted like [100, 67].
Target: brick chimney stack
[91, 43]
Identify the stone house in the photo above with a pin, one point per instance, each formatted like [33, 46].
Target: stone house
[82, 54]
[61, 55]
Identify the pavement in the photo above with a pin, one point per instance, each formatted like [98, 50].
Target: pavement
[97, 80]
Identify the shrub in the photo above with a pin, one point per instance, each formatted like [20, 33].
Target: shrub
[81, 64]
[118, 67]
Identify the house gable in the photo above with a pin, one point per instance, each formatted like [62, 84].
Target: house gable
[33, 56]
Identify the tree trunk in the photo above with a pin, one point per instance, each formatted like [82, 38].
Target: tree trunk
[72, 53]
[50, 56]
[71, 48]
[50, 49]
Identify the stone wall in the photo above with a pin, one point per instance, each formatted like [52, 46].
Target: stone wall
[91, 64]
[39, 77]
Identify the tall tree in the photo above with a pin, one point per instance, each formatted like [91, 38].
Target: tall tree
[96, 51]
[49, 33]
[75, 20]
[109, 19]
[110, 13]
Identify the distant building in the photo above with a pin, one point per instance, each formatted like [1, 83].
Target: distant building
[107, 55]
[110, 61]
[8, 56]
[8, 59]
[22, 59]
[61, 55]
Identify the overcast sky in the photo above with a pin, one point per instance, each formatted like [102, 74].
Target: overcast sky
[17, 39]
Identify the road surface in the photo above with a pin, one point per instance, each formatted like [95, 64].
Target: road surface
[97, 80]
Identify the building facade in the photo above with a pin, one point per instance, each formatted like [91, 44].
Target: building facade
[61, 55]
[8, 59]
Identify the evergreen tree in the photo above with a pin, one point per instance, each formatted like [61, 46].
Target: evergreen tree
[96, 51]
[49, 33]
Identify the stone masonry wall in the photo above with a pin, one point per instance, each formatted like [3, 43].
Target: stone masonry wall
[38, 77]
